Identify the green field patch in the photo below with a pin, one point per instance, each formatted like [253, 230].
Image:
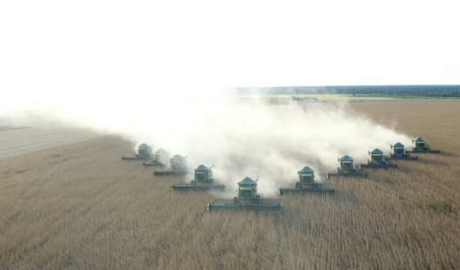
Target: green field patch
[442, 208]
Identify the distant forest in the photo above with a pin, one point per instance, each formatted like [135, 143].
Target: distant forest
[408, 91]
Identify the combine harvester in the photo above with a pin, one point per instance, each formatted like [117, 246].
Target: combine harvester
[398, 152]
[144, 152]
[247, 199]
[307, 184]
[178, 166]
[160, 158]
[420, 146]
[202, 181]
[347, 169]
[378, 161]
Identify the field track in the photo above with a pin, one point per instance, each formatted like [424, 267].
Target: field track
[78, 206]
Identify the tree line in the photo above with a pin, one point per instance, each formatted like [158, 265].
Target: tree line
[429, 91]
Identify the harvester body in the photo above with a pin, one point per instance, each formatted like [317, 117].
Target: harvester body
[177, 166]
[419, 145]
[377, 161]
[347, 168]
[307, 184]
[203, 180]
[398, 151]
[160, 158]
[248, 199]
[144, 152]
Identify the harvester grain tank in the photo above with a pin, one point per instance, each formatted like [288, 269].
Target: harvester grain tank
[377, 161]
[347, 168]
[160, 158]
[177, 166]
[248, 199]
[419, 145]
[203, 180]
[398, 151]
[144, 152]
[307, 184]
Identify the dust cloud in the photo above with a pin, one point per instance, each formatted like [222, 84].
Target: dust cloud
[240, 136]
[158, 73]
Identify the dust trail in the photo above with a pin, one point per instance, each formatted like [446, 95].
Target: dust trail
[153, 72]
[240, 137]
[274, 142]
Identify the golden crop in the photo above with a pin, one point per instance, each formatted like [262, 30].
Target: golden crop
[80, 207]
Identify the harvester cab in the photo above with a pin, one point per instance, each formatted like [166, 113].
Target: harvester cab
[144, 152]
[398, 151]
[377, 161]
[376, 156]
[247, 191]
[347, 164]
[178, 163]
[160, 155]
[347, 167]
[203, 180]
[419, 145]
[203, 175]
[248, 198]
[306, 177]
[306, 183]
[178, 166]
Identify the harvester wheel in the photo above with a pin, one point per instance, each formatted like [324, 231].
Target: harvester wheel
[298, 185]
[192, 182]
[235, 200]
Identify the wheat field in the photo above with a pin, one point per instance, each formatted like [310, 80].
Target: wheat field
[79, 206]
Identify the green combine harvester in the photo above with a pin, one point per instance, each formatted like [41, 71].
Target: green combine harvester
[307, 184]
[247, 199]
[203, 180]
[398, 152]
[144, 152]
[178, 166]
[378, 161]
[420, 146]
[347, 169]
[160, 158]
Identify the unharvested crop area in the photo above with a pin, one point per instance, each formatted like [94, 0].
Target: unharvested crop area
[80, 207]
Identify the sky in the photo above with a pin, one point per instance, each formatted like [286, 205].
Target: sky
[60, 49]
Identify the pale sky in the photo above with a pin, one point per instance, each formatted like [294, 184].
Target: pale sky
[64, 49]
[151, 71]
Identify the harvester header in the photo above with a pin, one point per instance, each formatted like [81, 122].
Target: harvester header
[160, 158]
[248, 199]
[398, 152]
[377, 161]
[144, 152]
[347, 168]
[419, 145]
[307, 183]
[203, 180]
[178, 166]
